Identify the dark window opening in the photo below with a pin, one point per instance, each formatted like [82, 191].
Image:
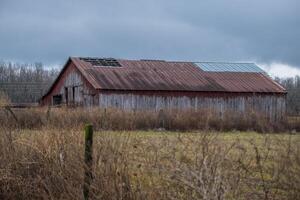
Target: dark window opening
[57, 99]
[66, 95]
[73, 93]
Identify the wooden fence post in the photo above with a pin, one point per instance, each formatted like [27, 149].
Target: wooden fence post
[88, 160]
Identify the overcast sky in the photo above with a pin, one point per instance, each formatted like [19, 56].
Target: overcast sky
[263, 31]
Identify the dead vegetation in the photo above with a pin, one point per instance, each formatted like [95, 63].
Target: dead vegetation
[115, 119]
[4, 100]
[49, 164]
[41, 156]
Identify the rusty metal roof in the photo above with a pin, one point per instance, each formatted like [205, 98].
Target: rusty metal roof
[158, 75]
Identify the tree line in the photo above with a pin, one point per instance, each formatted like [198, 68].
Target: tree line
[26, 83]
[292, 86]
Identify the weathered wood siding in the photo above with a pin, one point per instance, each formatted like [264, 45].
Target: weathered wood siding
[78, 92]
[272, 105]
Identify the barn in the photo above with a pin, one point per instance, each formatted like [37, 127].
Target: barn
[159, 84]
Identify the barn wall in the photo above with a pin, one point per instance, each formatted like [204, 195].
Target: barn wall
[272, 105]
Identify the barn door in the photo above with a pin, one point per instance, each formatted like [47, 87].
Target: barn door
[74, 95]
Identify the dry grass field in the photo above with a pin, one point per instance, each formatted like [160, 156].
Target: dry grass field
[195, 156]
[48, 164]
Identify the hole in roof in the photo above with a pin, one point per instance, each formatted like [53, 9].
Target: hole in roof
[109, 62]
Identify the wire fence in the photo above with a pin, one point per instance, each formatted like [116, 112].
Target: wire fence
[24, 92]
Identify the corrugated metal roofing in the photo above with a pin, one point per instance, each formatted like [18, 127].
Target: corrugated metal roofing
[172, 76]
[229, 67]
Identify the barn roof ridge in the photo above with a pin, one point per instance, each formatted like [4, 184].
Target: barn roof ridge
[163, 60]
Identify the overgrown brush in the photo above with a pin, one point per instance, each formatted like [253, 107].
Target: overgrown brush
[49, 164]
[116, 119]
[41, 156]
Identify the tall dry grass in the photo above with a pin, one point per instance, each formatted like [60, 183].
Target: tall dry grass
[49, 164]
[4, 99]
[116, 119]
[41, 156]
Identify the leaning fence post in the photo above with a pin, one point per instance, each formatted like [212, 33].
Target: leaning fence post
[88, 160]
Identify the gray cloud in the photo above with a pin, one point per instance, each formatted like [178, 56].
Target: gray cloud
[228, 30]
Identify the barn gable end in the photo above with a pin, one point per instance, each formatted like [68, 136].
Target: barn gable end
[70, 88]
